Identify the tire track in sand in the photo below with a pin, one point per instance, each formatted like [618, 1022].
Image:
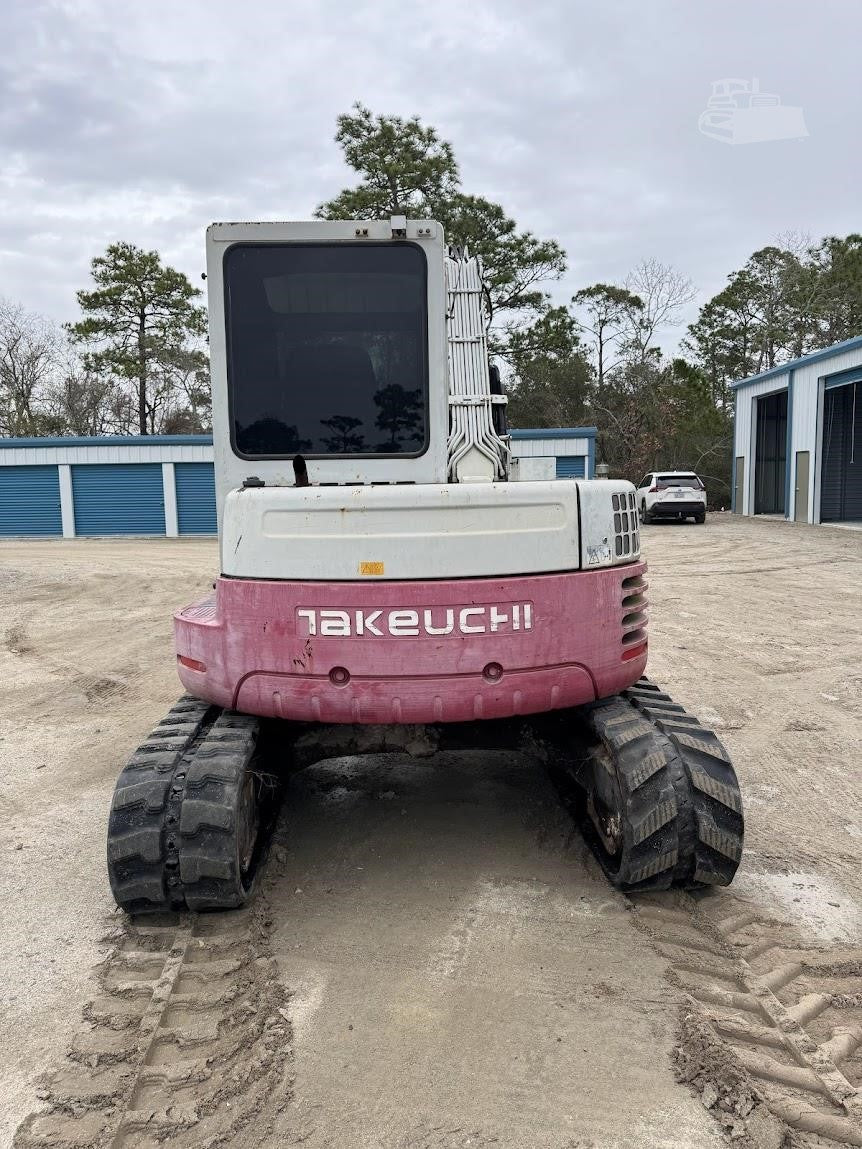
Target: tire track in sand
[772, 1030]
[187, 1043]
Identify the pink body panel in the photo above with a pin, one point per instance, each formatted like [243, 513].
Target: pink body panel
[514, 646]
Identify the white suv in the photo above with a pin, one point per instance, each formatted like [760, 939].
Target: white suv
[671, 495]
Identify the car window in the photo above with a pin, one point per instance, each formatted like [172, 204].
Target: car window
[663, 482]
[645, 481]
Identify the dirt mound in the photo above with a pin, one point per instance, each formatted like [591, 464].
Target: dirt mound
[712, 1069]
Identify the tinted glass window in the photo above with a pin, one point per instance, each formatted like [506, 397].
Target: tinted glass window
[665, 481]
[327, 349]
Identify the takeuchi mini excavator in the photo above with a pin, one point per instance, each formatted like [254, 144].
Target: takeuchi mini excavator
[384, 581]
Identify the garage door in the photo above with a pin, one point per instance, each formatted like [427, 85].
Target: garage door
[841, 481]
[196, 505]
[118, 499]
[570, 466]
[770, 462]
[30, 501]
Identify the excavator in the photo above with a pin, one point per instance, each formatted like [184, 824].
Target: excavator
[385, 579]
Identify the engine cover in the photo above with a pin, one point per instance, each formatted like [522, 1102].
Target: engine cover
[426, 531]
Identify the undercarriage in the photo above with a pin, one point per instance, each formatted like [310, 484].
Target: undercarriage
[653, 790]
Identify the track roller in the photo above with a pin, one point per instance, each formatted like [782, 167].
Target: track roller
[191, 814]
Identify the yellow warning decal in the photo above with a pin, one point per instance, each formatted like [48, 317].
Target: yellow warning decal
[371, 568]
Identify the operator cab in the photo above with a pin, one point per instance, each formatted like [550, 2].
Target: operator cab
[328, 341]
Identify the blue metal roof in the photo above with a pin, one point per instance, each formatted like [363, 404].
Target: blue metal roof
[792, 364]
[554, 432]
[110, 441]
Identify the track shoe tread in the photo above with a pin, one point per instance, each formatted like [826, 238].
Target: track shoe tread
[664, 792]
[648, 854]
[172, 836]
[711, 830]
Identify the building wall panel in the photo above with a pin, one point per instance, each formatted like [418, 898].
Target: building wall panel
[528, 448]
[813, 380]
[806, 395]
[75, 452]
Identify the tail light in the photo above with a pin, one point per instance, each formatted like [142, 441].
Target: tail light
[652, 490]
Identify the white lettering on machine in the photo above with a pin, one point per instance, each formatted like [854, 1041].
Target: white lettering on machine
[399, 622]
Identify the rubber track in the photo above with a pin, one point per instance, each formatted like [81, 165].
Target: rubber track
[710, 823]
[641, 763]
[143, 861]
[682, 811]
[208, 867]
[171, 832]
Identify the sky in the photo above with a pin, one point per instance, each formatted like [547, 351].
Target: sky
[144, 122]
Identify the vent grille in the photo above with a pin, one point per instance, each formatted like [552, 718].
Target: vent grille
[634, 606]
[203, 610]
[627, 543]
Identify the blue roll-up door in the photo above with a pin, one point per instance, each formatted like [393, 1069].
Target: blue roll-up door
[30, 501]
[570, 466]
[196, 503]
[118, 499]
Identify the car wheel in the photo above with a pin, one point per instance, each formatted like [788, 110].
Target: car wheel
[645, 515]
[700, 518]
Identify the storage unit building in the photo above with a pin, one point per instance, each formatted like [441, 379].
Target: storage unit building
[138, 485]
[560, 452]
[797, 443]
[164, 485]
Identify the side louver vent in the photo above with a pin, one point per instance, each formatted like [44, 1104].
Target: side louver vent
[627, 542]
[634, 616]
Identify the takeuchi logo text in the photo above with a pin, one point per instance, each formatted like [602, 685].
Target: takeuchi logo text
[408, 622]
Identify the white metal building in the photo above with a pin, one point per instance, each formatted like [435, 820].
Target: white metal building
[798, 438]
[554, 452]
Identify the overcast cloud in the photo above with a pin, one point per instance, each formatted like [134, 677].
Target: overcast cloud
[145, 122]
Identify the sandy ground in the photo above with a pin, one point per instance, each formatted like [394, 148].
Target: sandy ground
[459, 972]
